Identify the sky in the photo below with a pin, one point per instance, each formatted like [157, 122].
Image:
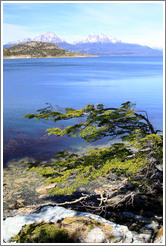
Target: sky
[131, 22]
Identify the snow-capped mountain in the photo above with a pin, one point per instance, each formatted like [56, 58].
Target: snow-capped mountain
[93, 45]
[49, 37]
[20, 41]
[101, 38]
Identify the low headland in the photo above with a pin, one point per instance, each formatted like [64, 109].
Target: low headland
[35, 49]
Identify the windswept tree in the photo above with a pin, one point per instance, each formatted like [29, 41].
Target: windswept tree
[99, 121]
[135, 157]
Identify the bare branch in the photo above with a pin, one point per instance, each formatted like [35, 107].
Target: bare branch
[39, 206]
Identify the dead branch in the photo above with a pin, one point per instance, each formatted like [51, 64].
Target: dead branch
[39, 206]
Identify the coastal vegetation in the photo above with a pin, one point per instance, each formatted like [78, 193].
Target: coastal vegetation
[137, 158]
[35, 49]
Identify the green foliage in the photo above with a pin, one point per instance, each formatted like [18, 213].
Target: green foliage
[149, 146]
[42, 233]
[140, 150]
[70, 171]
[98, 121]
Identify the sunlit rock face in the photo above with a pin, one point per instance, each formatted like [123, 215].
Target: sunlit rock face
[118, 233]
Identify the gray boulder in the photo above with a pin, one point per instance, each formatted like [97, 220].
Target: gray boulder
[12, 225]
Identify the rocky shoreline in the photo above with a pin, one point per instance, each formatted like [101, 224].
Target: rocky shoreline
[24, 194]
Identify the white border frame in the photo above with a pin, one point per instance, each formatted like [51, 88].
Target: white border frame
[164, 145]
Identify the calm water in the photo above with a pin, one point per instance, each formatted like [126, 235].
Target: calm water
[73, 82]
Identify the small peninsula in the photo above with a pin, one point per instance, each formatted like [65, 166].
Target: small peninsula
[35, 49]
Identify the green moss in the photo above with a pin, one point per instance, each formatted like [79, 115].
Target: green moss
[42, 233]
[87, 221]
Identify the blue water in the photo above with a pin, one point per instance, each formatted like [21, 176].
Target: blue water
[73, 82]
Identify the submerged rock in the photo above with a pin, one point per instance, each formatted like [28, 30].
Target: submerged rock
[16, 204]
[43, 189]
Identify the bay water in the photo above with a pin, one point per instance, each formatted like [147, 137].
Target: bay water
[28, 84]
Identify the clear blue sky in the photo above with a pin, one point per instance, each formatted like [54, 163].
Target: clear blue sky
[133, 22]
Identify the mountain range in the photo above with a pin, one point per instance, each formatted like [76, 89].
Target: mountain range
[93, 45]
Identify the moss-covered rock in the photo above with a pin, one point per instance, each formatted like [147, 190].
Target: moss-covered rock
[68, 230]
[42, 233]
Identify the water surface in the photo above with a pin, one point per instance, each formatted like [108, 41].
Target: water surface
[73, 82]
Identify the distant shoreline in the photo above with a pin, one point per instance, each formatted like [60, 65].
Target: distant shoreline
[83, 56]
[27, 57]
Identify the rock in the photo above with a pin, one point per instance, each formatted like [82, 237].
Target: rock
[158, 218]
[11, 206]
[43, 196]
[42, 232]
[118, 232]
[21, 180]
[142, 219]
[79, 229]
[129, 237]
[43, 189]
[17, 193]
[114, 233]
[159, 236]
[139, 218]
[128, 215]
[17, 204]
[85, 229]
[96, 235]
[153, 225]
[159, 167]
[141, 238]
[25, 210]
